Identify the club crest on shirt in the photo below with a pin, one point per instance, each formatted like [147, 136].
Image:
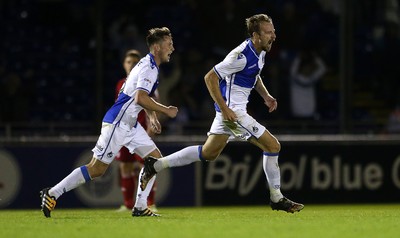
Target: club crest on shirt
[255, 129]
[99, 147]
[243, 136]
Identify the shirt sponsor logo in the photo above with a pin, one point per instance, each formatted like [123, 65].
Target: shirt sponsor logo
[147, 82]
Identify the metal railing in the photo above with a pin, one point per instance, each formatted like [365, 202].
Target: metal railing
[194, 128]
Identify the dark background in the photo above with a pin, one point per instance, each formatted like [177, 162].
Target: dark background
[60, 60]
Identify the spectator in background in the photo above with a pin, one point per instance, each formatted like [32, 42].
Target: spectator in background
[130, 164]
[306, 70]
[125, 35]
[13, 97]
[393, 123]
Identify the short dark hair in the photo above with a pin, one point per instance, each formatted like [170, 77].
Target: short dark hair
[155, 35]
[253, 23]
[133, 53]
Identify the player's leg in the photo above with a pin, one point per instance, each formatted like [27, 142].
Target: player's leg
[76, 178]
[151, 200]
[144, 120]
[103, 154]
[128, 178]
[207, 152]
[141, 204]
[271, 148]
[142, 145]
[213, 146]
[215, 143]
[137, 167]
[180, 158]
[50, 195]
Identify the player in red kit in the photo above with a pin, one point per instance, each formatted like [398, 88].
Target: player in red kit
[130, 164]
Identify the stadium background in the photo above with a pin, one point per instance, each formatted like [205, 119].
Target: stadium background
[60, 60]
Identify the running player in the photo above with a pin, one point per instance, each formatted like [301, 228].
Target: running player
[130, 164]
[120, 127]
[230, 83]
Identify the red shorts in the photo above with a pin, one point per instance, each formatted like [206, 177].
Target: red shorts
[124, 155]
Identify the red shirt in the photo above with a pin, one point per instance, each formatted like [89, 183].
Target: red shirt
[118, 87]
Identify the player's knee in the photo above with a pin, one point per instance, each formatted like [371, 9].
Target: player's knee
[276, 147]
[96, 174]
[95, 170]
[210, 156]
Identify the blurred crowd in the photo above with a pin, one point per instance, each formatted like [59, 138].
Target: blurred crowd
[53, 53]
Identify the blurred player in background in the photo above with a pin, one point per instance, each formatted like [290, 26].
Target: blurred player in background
[130, 164]
[120, 127]
[230, 83]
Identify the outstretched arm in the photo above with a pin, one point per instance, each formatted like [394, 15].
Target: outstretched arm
[270, 101]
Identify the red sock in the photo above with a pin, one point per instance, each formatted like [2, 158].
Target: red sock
[128, 185]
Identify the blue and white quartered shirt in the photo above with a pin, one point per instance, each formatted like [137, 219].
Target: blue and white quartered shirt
[238, 74]
[144, 76]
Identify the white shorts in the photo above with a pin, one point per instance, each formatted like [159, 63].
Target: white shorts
[113, 137]
[245, 127]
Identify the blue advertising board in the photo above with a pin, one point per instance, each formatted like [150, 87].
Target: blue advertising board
[311, 172]
[25, 170]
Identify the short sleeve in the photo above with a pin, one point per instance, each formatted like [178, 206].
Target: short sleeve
[146, 80]
[233, 63]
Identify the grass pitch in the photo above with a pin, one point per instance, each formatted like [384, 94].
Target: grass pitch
[315, 221]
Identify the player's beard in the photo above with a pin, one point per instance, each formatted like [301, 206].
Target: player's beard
[268, 47]
[167, 58]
